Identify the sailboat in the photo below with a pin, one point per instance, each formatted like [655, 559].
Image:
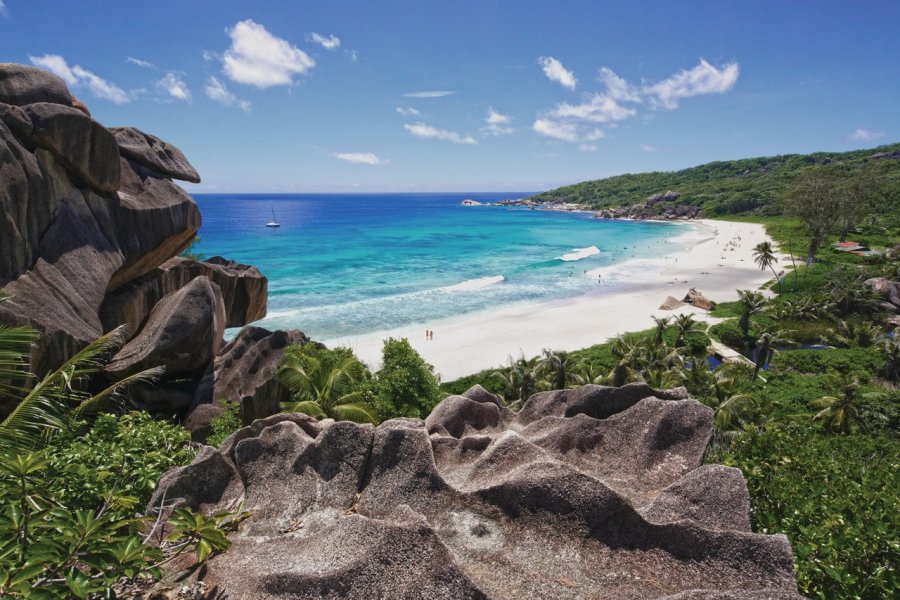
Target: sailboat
[273, 222]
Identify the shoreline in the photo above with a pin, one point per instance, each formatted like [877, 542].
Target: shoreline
[716, 265]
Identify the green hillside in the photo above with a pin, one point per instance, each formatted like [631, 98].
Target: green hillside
[746, 186]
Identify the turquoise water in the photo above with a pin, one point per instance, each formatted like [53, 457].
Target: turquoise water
[343, 265]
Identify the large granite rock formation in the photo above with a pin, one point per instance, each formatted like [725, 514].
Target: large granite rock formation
[589, 493]
[89, 224]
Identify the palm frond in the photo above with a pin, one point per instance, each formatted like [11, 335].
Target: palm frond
[44, 408]
[353, 412]
[15, 346]
[99, 401]
[305, 406]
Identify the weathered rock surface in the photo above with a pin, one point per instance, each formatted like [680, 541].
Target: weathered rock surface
[183, 333]
[22, 84]
[244, 372]
[481, 502]
[244, 290]
[82, 145]
[888, 290]
[155, 154]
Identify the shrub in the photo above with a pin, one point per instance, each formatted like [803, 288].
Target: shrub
[225, 424]
[405, 386]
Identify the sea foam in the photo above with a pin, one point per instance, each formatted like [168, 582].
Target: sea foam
[474, 284]
[579, 253]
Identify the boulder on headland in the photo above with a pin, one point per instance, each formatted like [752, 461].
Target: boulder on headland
[22, 84]
[183, 333]
[481, 502]
[155, 154]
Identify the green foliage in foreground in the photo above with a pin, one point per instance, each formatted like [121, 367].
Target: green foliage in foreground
[750, 185]
[224, 425]
[405, 386]
[836, 498]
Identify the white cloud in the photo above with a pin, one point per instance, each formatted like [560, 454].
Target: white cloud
[555, 71]
[702, 79]
[425, 131]
[578, 123]
[3, 11]
[140, 63]
[258, 58]
[354, 55]
[599, 108]
[560, 130]
[497, 123]
[216, 91]
[175, 87]
[408, 111]
[331, 42]
[361, 158]
[437, 94]
[647, 148]
[79, 76]
[617, 88]
[587, 147]
[861, 134]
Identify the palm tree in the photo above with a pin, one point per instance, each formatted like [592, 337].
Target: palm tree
[841, 411]
[662, 323]
[625, 349]
[324, 388]
[890, 351]
[685, 324]
[751, 304]
[729, 404]
[518, 379]
[46, 405]
[766, 346]
[588, 373]
[765, 258]
[557, 364]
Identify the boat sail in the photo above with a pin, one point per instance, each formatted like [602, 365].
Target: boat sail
[273, 222]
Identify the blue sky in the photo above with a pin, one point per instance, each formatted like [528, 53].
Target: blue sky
[470, 95]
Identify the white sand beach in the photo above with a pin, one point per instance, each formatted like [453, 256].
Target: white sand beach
[716, 265]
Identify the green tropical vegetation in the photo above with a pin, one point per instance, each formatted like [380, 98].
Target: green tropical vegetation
[764, 186]
[812, 418]
[74, 482]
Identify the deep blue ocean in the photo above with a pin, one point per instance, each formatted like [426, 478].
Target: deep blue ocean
[346, 264]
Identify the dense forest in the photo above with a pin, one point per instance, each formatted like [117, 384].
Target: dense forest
[747, 186]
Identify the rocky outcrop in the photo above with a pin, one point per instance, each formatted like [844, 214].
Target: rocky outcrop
[155, 154]
[183, 333]
[588, 493]
[21, 84]
[90, 221]
[888, 290]
[244, 291]
[244, 373]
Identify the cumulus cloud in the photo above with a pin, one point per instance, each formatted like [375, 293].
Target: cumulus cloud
[861, 134]
[702, 79]
[361, 158]
[585, 121]
[175, 87]
[258, 58]
[435, 94]
[78, 76]
[217, 92]
[425, 131]
[560, 130]
[497, 124]
[555, 71]
[408, 111]
[140, 63]
[331, 42]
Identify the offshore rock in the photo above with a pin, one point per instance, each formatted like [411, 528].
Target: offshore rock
[155, 154]
[589, 493]
[22, 84]
[182, 334]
